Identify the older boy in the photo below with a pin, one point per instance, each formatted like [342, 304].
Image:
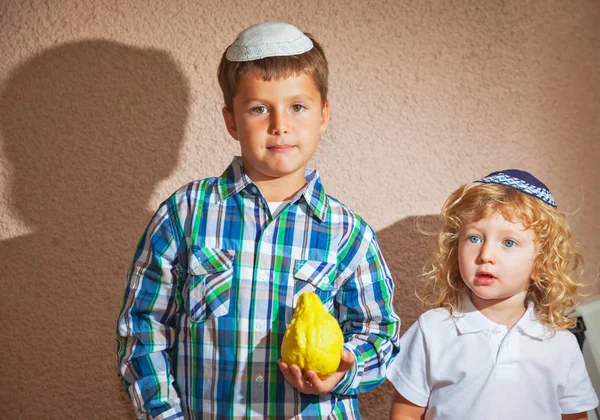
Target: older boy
[217, 273]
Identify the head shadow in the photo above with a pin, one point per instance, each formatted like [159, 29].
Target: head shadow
[88, 129]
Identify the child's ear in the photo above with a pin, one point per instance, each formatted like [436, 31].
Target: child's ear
[324, 117]
[230, 123]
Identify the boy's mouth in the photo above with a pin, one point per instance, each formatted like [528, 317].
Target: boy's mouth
[483, 278]
[280, 148]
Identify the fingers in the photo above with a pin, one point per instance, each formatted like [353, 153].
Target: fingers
[310, 383]
[347, 361]
[313, 378]
[297, 374]
[293, 376]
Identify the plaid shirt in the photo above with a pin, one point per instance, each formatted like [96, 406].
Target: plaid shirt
[213, 287]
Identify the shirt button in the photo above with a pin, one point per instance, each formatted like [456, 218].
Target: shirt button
[259, 325]
[496, 330]
[253, 190]
[259, 379]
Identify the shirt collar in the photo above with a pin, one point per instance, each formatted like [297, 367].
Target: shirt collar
[234, 179]
[470, 320]
[314, 194]
[530, 325]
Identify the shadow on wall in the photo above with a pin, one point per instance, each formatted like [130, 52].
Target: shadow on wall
[89, 129]
[406, 247]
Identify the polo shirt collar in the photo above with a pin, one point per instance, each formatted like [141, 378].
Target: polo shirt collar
[531, 326]
[470, 320]
[234, 180]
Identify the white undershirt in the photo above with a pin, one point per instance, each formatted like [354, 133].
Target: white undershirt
[276, 206]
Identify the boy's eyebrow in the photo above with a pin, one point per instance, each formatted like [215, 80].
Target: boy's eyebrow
[292, 98]
[303, 97]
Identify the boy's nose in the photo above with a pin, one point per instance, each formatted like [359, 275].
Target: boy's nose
[279, 124]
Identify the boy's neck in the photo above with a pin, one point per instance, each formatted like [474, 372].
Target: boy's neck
[275, 192]
[502, 311]
[280, 189]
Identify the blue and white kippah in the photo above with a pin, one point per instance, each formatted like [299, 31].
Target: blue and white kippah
[268, 39]
[522, 181]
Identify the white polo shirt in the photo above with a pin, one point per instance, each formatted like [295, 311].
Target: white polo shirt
[468, 367]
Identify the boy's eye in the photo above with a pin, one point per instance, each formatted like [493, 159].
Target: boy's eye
[509, 243]
[298, 108]
[474, 239]
[261, 109]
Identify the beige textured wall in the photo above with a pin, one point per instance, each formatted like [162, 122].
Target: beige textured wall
[108, 106]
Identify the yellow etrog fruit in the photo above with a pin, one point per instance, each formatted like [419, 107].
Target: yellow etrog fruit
[313, 340]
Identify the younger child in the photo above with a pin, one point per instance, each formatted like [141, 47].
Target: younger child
[218, 272]
[497, 346]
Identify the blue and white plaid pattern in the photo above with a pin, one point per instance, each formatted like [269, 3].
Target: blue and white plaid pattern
[205, 310]
[503, 178]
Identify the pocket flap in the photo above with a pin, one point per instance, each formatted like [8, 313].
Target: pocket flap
[317, 273]
[202, 260]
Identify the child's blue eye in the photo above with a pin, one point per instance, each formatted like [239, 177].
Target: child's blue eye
[509, 243]
[298, 108]
[259, 110]
[474, 239]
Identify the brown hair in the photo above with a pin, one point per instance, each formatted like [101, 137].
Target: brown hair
[312, 63]
[553, 289]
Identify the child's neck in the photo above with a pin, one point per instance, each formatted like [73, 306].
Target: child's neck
[280, 189]
[502, 311]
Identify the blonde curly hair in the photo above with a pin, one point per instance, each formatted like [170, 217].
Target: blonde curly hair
[553, 288]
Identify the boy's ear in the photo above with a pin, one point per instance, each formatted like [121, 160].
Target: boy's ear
[230, 123]
[324, 117]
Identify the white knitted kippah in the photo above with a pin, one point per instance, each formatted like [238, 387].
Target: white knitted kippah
[268, 39]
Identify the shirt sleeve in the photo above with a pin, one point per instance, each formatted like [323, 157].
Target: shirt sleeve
[368, 321]
[578, 395]
[408, 371]
[148, 323]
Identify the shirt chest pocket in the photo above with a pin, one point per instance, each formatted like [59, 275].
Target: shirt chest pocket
[210, 274]
[315, 276]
